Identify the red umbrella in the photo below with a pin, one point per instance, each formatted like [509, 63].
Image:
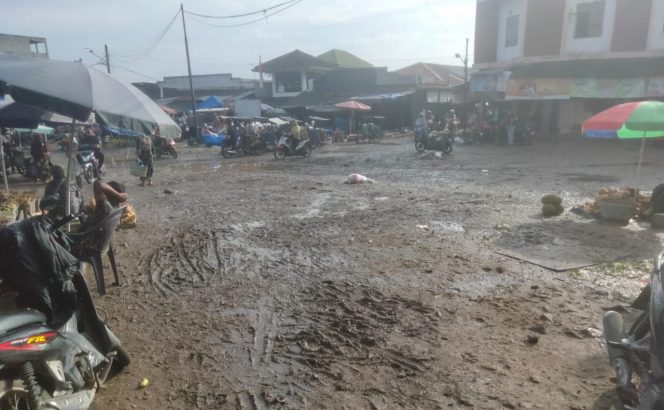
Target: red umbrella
[352, 106]
[168, 110]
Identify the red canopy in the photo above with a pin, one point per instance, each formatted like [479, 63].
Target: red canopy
[353, 105]
[168, 110]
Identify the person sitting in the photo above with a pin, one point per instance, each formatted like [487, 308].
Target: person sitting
[58, 185]
[107, 196]
[91, 139]
[295, 135]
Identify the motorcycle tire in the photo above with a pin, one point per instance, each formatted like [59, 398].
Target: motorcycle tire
[259, 150]
[279, 154]
[419, 146]
[122, 358]
[306, 151]
[226, 152]
[89, 175]
[158, 154]
[173, 153]
[447, 149]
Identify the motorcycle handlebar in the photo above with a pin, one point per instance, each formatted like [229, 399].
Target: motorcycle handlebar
[64, 221]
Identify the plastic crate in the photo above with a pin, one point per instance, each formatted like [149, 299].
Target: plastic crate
[618, 210]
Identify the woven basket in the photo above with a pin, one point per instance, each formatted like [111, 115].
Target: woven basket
[621, 210]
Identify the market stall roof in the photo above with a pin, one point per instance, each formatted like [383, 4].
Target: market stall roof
[294, 61]
[343, 59]
[386, 96]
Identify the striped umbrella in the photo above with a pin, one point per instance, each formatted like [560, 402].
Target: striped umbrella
[634, 120]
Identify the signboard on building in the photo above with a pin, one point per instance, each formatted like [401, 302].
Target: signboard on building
[248, 108]
[655, 87]
[609, 88]
[538, 89]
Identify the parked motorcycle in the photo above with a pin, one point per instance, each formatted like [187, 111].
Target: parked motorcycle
[637, 353]
[285, 148]
[87, 166]
[45, 365]
[165, 146]
[247, 145]
[434, 140]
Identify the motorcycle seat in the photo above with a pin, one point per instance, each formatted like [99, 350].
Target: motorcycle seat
[20, 318]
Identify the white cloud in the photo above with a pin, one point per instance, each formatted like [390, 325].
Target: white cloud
[391, 33]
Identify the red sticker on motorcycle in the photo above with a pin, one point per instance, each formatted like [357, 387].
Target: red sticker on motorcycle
[34, 342]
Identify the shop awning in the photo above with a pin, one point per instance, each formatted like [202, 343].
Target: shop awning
[386, 96]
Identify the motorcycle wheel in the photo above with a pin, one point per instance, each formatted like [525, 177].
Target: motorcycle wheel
[306, 151]
[279, 154]
[15, 399]
[174, 153]
[226, 152]
[419, 146]
[447, 149]
[89, 175]
[259, 150]
[158, 154]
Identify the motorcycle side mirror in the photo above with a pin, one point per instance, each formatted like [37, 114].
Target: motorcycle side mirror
[50, 202]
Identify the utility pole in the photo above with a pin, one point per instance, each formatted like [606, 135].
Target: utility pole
[191, 81]
[108, 61]
[465, 73]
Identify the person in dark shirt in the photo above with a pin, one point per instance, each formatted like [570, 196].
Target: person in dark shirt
[90, 138]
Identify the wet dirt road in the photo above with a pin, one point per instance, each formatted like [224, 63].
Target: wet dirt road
[261, 284]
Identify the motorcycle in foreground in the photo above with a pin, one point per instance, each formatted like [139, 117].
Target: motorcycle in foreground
[285, 148]
[434, 140]
[637, 353]
[59, 356]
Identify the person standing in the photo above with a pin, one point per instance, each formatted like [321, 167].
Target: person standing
[511, 128]
[145, 154]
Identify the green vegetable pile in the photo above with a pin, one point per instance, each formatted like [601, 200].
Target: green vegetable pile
[552, 205]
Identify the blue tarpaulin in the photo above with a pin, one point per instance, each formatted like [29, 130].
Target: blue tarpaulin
[211, 102]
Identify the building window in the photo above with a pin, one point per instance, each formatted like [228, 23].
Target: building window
[589, 19]
[288, 82]
[512, 31]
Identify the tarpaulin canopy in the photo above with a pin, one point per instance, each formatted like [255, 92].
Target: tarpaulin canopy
[211, 102]
[75, 90]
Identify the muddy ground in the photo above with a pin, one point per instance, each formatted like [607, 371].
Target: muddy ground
[261, 284]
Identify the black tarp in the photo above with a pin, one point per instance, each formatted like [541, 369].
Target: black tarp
[38, 264]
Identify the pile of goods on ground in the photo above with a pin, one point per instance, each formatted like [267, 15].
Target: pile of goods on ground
[10, 201]
[617, 194]
[552, 205]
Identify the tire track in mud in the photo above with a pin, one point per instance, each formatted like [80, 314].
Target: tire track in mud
[355, 338]
[192, 258]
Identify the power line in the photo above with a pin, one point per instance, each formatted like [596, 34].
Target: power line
[150, 45]
[433, 12]
[134, 72]
[253, 13]
[266, 15]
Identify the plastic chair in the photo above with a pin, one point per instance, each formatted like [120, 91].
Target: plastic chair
[96, 242]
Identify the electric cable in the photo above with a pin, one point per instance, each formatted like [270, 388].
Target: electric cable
[149, 46]
[253, 13]
[433, 12]
[266, 15]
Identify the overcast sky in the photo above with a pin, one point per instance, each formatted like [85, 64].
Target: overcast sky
[392, 33]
